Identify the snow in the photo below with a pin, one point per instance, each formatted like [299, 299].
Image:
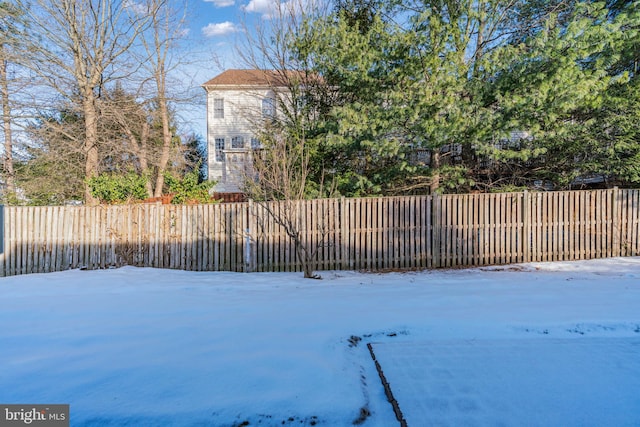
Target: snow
[587, 382]
[149, 347]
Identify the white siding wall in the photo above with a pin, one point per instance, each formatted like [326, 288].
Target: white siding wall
[242, 115]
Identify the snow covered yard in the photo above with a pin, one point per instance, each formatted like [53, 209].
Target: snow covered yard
[550, 382]
[148, 347]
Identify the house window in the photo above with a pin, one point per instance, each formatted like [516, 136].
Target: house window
[301, 103]
[237, 142]
[219, 142]
[218, 108]
[255, 143]
[268, 108]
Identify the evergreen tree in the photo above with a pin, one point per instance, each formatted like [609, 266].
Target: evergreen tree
[495, 93]
[130, 139]
[408, 83]
[563, 86]
[52, 172]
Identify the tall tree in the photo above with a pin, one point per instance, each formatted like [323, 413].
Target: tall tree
[462, 79]
[131, 120]
[280, 176]
[408, 73]
[51, 172]
[12, 42]
[563, 86]
[129, 132]
[160, 39]
[83, 46]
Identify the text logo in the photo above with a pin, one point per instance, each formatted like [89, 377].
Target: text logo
[34, 415]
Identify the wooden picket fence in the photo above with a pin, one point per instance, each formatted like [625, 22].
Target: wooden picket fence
[410, 232]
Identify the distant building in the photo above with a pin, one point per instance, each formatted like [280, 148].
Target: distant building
[238, 101]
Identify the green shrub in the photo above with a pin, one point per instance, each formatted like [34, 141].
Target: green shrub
[187, 189]
[117, 188]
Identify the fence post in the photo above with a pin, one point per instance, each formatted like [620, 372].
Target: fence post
[526, 225]
[247, 250]
[436, 212]
[248, 240]
[615, 223]
[343, 235]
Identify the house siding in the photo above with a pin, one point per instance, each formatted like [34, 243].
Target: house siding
[242, 114]
[244, 93]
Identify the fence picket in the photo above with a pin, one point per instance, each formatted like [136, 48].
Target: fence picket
[373, 234]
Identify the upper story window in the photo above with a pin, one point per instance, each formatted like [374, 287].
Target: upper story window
[218, 108]
[219, 149]
[237, 142]
[255, 143]
[268, 108]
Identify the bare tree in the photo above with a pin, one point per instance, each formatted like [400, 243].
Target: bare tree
[83, 45]
[128, 120]
[166, 28]
[278, 184]
[12, 41]
[9, 174]
[279, 178]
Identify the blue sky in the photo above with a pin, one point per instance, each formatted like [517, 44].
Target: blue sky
[215, 30]
[218, 24]
[215, 27]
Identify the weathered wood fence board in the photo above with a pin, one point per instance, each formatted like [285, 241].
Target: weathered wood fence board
[369, 233]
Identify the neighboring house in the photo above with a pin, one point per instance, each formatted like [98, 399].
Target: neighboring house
[238, 101]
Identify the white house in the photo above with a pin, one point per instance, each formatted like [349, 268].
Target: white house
[238, 101]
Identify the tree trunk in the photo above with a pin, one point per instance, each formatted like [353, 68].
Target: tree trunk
[140, 151]
[90, 145]
[9, 174]
[166, 145]
[306, 259]
[435, 167]
[144, 164]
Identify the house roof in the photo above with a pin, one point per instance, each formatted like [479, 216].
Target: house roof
[271, 78]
